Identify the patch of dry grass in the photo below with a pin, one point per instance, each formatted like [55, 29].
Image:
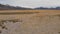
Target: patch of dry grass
[36, 22]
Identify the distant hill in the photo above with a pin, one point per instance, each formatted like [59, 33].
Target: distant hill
[8, 7]
[57, 8]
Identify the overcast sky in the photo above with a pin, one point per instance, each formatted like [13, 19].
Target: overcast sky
[32, 3]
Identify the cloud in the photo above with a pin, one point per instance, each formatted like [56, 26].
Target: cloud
[32, 3]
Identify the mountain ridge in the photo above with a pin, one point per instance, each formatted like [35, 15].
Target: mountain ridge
[8, 7]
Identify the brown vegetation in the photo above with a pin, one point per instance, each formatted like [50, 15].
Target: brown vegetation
[36, 22]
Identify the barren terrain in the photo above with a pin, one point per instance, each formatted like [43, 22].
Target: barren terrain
[30, 21]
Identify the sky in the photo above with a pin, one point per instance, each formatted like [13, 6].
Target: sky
[32, 3]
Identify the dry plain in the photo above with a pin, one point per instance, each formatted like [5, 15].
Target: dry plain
[30, 21]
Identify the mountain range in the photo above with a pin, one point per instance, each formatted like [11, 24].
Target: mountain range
[8, 7]
[46, 8]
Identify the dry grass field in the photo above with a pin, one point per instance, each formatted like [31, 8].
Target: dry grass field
[30, 22]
